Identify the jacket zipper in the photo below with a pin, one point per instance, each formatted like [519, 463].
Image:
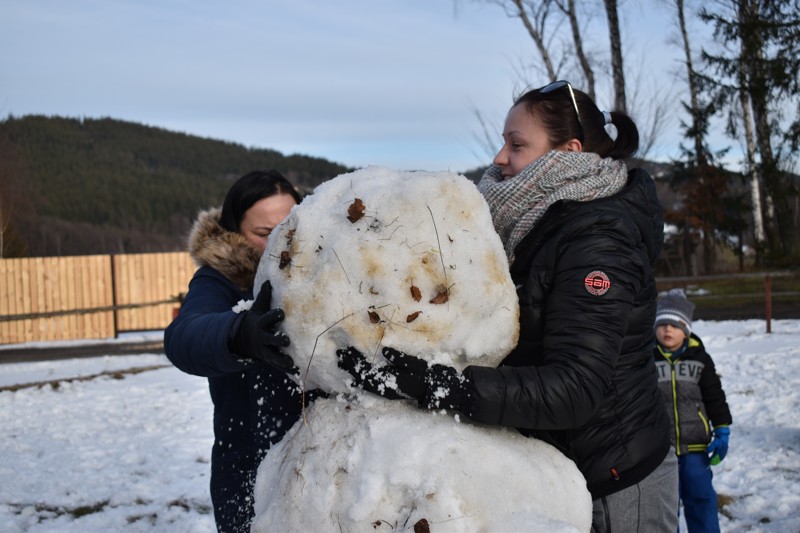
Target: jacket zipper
[675, 407]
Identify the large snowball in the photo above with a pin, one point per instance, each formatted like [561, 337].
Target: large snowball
[410, 260]
[376, 465]
[379, 258]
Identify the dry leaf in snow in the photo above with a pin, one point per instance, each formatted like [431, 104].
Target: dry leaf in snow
[286, 259]
[416, 293]
[356, 211]
[441, 297]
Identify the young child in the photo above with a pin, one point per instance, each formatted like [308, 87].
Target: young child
[696, 405]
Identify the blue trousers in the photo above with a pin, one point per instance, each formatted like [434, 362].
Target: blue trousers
[697, 493]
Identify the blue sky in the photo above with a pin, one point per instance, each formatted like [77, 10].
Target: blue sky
[386, 82]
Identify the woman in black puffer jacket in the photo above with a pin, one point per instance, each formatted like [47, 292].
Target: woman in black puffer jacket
[581, 234]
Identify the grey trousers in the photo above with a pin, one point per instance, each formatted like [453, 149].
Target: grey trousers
[650, 506]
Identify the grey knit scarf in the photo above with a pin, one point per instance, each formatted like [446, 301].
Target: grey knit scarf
[517, 203]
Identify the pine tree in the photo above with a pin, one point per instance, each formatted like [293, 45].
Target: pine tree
[756, 75]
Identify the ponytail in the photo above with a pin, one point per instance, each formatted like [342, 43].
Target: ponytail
[625, 143]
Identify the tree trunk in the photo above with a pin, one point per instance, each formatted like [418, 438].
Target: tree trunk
[620, 101]
[692, 81]
[537, 35]
[697, 131]
[783, 242]
[577, 41]
[759, 235]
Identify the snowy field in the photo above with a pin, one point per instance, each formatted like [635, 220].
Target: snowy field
[123, 443]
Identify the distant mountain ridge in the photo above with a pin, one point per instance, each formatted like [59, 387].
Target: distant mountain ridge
[72, 186]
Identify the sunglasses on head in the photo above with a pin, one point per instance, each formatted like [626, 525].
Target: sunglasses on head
[560, 84]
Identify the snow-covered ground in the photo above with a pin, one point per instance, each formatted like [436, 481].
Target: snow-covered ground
[118, 451]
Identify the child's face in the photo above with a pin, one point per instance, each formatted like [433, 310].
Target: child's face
[670, 337]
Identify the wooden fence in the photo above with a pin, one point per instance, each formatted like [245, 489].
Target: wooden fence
[100, 296]
[89, 297]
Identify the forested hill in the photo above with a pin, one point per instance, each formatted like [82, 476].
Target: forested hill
[95, 186]
[73, 186]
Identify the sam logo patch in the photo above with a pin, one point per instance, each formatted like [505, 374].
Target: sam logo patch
[597, 283]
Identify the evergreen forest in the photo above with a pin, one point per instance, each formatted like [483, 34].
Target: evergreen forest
[71, 186]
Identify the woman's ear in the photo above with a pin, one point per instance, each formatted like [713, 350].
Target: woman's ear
[573, 145]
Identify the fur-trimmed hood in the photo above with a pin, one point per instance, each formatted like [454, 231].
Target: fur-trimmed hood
[225, 251]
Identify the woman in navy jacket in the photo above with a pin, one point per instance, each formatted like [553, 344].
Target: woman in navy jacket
[255, 404]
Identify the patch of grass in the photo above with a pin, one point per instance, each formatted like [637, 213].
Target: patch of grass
[56, 383]
[723, 501]
[180, 503]
[152, 518]
[75, 512]
[84, 510]
[50, 512]
[188, 505]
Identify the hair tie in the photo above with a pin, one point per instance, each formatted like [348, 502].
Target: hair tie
[607, 117]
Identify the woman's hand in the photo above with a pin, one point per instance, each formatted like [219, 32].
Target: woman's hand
[255, 335]
[433, 386]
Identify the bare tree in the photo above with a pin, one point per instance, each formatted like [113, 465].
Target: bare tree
[536, 25]
[752, 58]
[542, 19]
[650, 106]
[615, 42]
[486, 138]
[568, 8]
[751, 168]
[691, 78]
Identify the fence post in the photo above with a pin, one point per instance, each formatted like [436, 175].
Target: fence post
[768, 299]
[114, 295]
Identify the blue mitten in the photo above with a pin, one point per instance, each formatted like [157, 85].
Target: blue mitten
[718, 448]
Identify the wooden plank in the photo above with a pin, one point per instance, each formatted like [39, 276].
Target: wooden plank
[50, 276]
[83, 269]
[34, 282]
[8, 333]
[25, 278]
[10, 301]
[17, 300]
[100, 320]
[121, 288]
[70, 285]
[5, 283]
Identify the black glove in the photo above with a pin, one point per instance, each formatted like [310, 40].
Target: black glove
[254, 335]
[381, 381]
[434, 387]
